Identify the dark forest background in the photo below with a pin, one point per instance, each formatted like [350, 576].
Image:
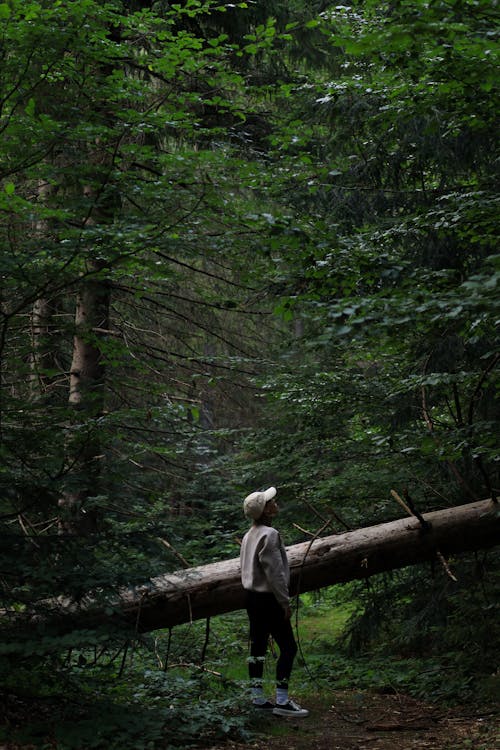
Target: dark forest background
[242, 244]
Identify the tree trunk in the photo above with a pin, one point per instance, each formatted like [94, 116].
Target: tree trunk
[91, 318]
[41, 353]
[213, 589]
[43, 350]
[86, 397]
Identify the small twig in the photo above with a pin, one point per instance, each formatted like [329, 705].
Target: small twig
[200, 667]
[401, 502]
[425, 412]
[157, 653]
[205, 643]
[458, 405]
[304, 531]
[420, 480]
[329, 521]
[122, 665]
[406, 727]
[340, 520]
[316, 535]
[167, 655]
[426, 526]
[175, 552]
[314, 510]
[409, 507]
[117, 654]
[446, 566]
[23, 525]
[452, 413]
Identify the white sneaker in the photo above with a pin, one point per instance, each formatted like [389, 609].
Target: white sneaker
[290, 709]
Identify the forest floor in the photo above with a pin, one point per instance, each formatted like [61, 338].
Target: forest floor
[360, 720]
[353, 720]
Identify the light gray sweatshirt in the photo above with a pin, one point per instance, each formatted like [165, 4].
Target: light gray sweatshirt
[264, 564]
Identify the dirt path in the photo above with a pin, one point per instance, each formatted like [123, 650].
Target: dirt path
[369, 721]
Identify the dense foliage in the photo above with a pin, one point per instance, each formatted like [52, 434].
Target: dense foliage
[397, 279]
[242, 244]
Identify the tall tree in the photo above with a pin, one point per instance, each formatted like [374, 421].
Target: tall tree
[128, 115]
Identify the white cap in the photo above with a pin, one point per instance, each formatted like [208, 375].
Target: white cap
[255, 503]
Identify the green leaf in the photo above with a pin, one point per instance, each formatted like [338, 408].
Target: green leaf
[30, 107]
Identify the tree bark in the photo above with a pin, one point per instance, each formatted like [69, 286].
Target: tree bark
[87, 371]
[213, 589]
[43, 355]
[86, 395]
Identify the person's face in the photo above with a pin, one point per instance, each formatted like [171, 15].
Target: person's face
[272, 508]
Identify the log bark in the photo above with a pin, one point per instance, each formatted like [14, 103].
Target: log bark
[214, 589]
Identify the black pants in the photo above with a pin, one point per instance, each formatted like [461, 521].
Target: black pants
[267, 618]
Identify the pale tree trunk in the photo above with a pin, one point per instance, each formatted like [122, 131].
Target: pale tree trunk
[91, 322]
[86, 398]
[214, 589]
[46, 368]
[87, 381]
[43, 351]
[40, 351]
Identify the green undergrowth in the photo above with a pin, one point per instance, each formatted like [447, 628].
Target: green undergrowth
[187, 688]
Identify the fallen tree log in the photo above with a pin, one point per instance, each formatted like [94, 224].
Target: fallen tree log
[214, 589]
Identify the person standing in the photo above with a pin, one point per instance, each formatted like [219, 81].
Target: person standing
[265, 576]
